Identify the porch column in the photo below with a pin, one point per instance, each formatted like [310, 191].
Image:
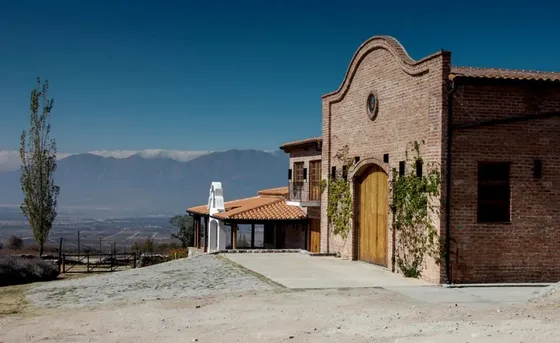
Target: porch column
[198, 236]
[196, 232]
[252, 236]
[206, 234]
[234, 236]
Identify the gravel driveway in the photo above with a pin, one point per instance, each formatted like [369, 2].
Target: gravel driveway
[197, 276]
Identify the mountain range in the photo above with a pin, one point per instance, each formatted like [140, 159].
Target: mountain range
[155, 184]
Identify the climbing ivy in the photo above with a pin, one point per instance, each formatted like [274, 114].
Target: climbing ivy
[339, 204]
[412, 206]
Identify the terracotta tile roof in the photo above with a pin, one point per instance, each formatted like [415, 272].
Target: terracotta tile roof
[203, 209]
[280, 191]
[314, 140]
[269, 205]
[277, 209]
[505, 74]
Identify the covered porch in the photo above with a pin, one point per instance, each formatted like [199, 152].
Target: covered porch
[262, 222]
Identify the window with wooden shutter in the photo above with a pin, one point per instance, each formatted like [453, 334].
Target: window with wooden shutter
[298, 172]
[494, 192]
[315, 180]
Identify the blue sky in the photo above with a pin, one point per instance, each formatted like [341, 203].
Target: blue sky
[213, 75]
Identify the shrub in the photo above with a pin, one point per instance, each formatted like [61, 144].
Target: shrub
[178, 253]
[15, 270]
[14, 243]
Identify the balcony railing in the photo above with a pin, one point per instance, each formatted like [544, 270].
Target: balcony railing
[305, 191]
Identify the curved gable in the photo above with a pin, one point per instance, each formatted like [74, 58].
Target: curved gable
[390, 44]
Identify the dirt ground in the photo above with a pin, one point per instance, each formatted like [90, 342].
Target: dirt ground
[211, 299]
[344, 315]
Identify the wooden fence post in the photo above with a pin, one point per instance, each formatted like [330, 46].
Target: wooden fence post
[87, 263]
[60, 256]
[63, 263]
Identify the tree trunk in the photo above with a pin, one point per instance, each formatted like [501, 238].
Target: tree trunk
[41, 245]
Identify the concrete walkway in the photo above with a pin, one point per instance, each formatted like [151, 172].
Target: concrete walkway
[304, 271]
[301, 271]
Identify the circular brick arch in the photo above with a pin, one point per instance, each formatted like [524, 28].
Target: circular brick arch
[362, 165]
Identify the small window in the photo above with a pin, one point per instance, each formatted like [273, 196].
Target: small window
[386, 158]
[493, 192]
[419, 164]
[344, 173]
[537, 169]
[372, 106]
[333, 172]
[401, 168]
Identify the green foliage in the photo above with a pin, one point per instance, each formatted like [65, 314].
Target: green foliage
[38, 164]
[412, 205]
[14, 243]
[185, 230]
[175, 254]
[339, 205]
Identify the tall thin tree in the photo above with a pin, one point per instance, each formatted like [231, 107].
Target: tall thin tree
[38, 164]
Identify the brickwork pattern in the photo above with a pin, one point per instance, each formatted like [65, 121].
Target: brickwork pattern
[411, 107]
[528, 248]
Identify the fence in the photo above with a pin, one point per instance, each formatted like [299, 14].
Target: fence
[75, 263]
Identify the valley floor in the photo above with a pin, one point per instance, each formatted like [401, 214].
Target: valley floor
[234, 305]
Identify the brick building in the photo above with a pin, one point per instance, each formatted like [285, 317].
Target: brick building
[497, 132]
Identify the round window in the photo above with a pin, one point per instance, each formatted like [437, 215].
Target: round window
[372, 106]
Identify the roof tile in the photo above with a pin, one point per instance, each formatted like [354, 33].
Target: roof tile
[505, 74]
[277, 210]
[270, 204]
[280, 191]
[301, 142]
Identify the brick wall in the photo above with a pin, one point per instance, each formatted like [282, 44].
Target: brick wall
[304, 155]
[527, 249]
[411, 107]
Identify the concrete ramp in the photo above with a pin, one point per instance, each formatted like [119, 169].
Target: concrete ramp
[304, 271]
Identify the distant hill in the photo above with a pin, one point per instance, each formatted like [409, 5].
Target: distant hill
[138, 185]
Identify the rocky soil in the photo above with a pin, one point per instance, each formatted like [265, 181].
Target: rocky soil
[198, 276]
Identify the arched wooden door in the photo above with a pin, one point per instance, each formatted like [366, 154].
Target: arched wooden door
[372, 196]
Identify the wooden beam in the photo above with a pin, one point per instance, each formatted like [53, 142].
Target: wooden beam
[306, 236]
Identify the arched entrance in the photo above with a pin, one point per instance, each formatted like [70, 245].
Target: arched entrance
[371, 197]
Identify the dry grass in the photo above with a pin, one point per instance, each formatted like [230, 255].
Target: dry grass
[14, 302]
[12, 299]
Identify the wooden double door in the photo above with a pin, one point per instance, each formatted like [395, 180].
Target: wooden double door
[372, 192]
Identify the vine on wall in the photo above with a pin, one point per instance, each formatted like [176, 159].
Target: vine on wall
[339, 203]
[412, 206]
